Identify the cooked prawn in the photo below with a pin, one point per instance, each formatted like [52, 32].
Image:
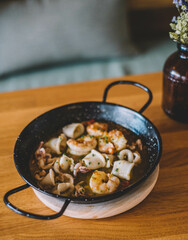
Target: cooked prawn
[118, 139]
[81, 146]
[105, 145]
[102, 183]
[97, 129]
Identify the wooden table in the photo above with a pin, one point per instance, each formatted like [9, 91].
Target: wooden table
[162, 215]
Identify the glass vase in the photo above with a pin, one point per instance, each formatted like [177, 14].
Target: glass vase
[175, 84]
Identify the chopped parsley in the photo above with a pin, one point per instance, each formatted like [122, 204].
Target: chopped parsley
[98, 163]
[93, 155]
[117, 169]
[89, 163]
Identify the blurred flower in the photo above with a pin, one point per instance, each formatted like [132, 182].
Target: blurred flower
[179, 24]
[178, 3]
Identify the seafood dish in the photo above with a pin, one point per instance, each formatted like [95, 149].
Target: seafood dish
[90, 158]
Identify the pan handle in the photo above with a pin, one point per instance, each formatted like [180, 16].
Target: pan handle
[32, 215]
[130, 83]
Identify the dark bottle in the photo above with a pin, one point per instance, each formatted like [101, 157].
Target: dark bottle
[175, 85]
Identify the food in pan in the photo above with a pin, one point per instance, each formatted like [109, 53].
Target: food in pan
[89, 159]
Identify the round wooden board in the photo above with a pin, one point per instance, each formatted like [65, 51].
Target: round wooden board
[104, 209]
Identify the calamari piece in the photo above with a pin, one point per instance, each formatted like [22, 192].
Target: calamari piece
[46, 162]
[49, 179]
[84, 169]
[139, 144]
[39, 175]
[57, 145]
[118, 139]
[65, 177]
[105, 145]
[102, 183]
[137, 158]
[79, 168]
[81, 146]
[73, 130]
[132, 146]
[56, 166]
[94, 160]
[109, 160]
[126, 154]
[97, 129]
[66, 162]
[76, 168]
[40, 152]
[64, 187]
[79, 189]
[122, 169]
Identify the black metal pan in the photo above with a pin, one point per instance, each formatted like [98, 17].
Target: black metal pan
[50, 122]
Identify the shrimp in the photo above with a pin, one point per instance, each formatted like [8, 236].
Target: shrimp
[81, 146]
[97, 129]
[102, 183]
[105, 145]
[118, 139]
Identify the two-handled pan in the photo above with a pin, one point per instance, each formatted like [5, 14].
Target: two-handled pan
[50, 122]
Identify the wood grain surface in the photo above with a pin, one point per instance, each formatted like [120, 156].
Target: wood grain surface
[162, 215]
